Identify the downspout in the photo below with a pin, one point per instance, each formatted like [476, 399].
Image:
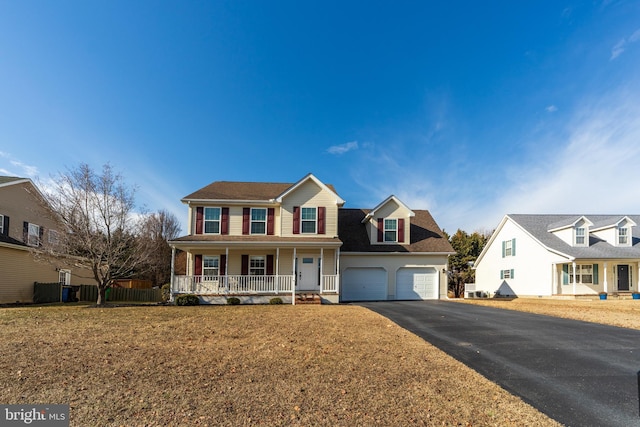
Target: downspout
[573, 280]
[606, 284]
[226, 269]
[277, 270]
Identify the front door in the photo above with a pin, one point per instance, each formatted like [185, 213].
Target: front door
[623, 277]
[308, 272]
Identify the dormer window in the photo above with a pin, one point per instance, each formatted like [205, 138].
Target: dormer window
[390, 230]
[580, 236]
[623, 236]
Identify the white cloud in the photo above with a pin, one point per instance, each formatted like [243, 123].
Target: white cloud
[30, 171]
[592, 171]
[622, 45]
[551, 109]
[343, 148]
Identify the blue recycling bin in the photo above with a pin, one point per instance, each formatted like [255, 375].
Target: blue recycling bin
[66, 293]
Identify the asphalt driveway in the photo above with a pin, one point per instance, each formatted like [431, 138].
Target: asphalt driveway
[578, 373]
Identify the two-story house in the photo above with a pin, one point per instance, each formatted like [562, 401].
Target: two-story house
[545, 255]
[255, 240]
[25, 226]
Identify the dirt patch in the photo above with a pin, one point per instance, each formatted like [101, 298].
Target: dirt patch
[615, 312]
[243, 365]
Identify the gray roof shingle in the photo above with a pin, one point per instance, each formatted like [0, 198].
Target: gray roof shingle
[538, 226]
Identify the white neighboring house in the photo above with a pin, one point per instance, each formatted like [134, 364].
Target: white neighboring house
[553, 255]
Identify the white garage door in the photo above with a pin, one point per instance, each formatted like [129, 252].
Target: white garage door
[416, 283]
[364, 284]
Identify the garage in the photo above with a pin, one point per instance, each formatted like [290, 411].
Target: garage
[364, 284]
[415, 283]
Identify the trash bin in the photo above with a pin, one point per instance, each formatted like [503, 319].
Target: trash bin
[66, 293]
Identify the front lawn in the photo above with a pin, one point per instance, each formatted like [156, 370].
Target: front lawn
[242, 365]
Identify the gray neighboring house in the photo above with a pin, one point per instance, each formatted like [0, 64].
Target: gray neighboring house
[557, 255]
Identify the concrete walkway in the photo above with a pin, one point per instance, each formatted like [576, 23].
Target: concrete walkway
[578, 373]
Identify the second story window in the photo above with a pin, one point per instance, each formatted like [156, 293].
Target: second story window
[580, 236]
[308, 219]
[2, 231]
[258, 221]
[212, 220]
[33, 234]
[623, 236]
[390, 230]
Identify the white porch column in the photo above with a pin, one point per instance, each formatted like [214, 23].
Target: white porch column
[226, 269]
[277, 270]
[337, 254]
[573, 280]
[173, 271]
[295, 279]
[321, 268]
[554, 278]
[606, 284]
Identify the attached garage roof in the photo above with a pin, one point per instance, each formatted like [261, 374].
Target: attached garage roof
[426, 236]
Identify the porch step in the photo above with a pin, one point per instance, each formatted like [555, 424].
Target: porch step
[308, 298]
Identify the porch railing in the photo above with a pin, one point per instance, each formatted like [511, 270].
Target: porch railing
[232, 284]
[329, 283]
[243, 284]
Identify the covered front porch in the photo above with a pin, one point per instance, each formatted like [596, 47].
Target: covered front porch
[590, 277]
[258, 270]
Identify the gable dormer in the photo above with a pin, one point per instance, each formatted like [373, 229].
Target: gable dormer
[617, 231]
[389, 222]
[574, 232]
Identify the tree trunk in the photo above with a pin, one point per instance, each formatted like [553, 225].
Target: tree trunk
[102, 295]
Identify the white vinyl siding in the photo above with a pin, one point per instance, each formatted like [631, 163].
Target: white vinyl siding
[309, 194]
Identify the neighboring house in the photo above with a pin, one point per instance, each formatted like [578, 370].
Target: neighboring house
[24, 227]
[546, 255]
[257, 240]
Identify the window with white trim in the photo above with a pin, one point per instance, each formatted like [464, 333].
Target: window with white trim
[390, 230]
[584, 273]
[508, 247]
[33, 235]
[212, 220]
[308, 220]
[623, 236]
[64, 277]
[505, 274]
[210, 265]
[1, 224]
[257, 265]
[580, 236]
[258, 221]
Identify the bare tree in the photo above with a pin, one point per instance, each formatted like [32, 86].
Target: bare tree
[157, 229]
[100, 228]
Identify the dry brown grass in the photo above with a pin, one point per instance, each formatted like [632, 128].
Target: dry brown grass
[615, 312]
[242, 365]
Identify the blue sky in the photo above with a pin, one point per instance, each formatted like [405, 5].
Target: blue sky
[468, 109]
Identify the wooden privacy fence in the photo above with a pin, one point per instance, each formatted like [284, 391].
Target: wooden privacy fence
[90, 293]
[53, 292]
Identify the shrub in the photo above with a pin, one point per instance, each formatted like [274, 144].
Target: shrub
[188, 299]
[275, 301]
[165, 292]
[233, 301]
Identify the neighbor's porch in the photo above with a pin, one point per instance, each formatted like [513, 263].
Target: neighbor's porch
[590, 277]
